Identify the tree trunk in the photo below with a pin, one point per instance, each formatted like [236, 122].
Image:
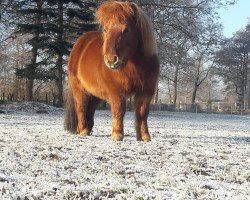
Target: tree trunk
[248, 83]
[32, 66]
[175, 86]
[245, 63]
[248, 94]
[194, 93]
[59, 62]
[59, 81]
[0, 10]
[169, 91]
[156, 96]
[29, 89]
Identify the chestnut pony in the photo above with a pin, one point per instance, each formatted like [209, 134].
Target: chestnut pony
[117, 63]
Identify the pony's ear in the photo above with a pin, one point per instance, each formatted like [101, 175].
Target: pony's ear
[135, 10]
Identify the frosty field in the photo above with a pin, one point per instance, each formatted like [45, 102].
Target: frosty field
[191, 156]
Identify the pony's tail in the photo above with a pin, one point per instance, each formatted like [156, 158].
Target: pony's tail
[70, 118]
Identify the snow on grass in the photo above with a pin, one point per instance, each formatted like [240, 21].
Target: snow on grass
[191, 156]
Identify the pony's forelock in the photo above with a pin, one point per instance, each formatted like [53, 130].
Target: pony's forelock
[114, 10]
[124, 10]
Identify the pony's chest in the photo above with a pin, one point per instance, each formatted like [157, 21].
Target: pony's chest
[129, 80]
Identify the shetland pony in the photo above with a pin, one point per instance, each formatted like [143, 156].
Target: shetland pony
[113, 64]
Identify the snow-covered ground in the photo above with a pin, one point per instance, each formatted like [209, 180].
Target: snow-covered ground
[191, 156]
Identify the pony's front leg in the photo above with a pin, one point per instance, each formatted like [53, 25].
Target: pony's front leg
[141, 107]
[118, 108]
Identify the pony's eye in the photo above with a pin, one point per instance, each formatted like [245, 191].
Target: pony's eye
[126, 30]
[105, 29]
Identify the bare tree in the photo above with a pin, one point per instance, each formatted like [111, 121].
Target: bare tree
[187, 31]
[233, 59]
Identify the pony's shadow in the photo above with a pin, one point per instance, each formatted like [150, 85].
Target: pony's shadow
[96, 135]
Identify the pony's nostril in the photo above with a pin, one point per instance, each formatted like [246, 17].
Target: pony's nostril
[116, 59]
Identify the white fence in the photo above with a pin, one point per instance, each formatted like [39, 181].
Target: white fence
[212, 107]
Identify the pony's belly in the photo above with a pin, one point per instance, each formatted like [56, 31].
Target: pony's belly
[92, 86]
[105, 90]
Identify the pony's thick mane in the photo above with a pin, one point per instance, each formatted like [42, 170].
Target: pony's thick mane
[125, 10]
[114, 10]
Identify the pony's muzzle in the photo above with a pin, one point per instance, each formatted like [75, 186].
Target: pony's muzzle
[112, 62]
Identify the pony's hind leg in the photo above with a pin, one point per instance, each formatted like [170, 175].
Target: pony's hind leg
[81, 101]
[141, 107]
[93, 103]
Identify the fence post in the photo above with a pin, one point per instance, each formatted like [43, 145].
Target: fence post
[46, 98]
[179, 107]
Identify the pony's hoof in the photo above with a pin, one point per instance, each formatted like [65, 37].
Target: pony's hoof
[117, 137]
[84, 133]
[145, 138]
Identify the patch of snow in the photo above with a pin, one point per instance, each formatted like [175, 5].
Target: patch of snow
[191, 156]
[29, 107]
